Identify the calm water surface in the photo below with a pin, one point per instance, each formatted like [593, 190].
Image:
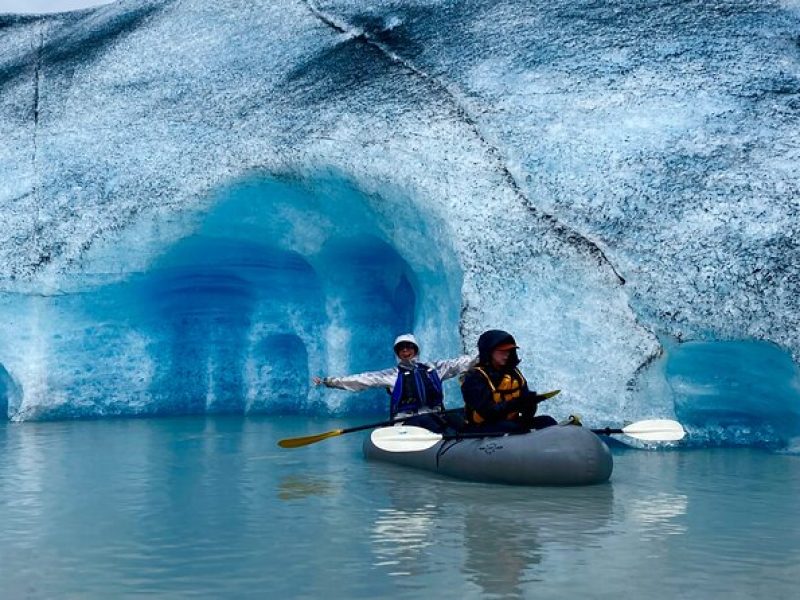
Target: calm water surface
[211, 508]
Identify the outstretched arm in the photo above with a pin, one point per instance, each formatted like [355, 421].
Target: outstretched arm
[360, 381]
[454, 366]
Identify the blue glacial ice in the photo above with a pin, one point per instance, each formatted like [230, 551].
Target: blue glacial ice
[275, 282]
[204, 205]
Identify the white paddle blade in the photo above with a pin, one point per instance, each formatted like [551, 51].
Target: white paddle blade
[655, 430]
[404, 438]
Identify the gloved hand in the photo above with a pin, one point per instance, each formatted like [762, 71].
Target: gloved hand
[521, 405]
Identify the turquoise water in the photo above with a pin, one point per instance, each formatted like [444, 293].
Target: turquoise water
[211, 508]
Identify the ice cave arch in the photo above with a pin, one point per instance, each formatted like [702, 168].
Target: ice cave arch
[233, 305]
[206, 303]
[734, 392]
[365, 267]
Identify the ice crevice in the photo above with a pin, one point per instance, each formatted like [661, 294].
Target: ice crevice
[460, 104]
[37, 77]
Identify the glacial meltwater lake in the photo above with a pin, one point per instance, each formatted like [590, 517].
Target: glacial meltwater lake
[210, 507]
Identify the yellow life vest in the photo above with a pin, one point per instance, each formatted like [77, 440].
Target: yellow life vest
[508, 389]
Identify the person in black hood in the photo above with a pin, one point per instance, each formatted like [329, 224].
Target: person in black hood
[496, 394]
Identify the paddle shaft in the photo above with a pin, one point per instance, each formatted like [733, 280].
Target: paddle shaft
[538, 398]
[460, 436]
[393, 421]
[607, 431]
[313, 439]
[414, 439]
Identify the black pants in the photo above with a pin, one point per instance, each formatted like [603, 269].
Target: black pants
[523, 425]
[446, 423]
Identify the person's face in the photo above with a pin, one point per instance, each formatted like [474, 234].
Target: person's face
[500, 357]
[406, 351]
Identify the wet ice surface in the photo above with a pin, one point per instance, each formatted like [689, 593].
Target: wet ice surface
[211, 507]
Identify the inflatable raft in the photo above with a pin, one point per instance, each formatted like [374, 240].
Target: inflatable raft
[558, 455]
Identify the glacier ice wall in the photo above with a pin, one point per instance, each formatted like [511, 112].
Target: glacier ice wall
[595, 176]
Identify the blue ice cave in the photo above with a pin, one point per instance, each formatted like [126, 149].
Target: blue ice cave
[275, 281]
[735, 392]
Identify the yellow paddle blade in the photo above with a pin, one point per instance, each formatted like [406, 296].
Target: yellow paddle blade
[309, 439]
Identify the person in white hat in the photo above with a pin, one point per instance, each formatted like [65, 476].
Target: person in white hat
[415, 387]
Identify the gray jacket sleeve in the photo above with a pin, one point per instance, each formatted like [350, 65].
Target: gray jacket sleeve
[363, 381]
[454, 366]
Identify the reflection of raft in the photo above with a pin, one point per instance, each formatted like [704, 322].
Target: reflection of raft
[558, 455]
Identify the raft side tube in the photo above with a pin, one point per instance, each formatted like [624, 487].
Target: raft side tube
[561, 455]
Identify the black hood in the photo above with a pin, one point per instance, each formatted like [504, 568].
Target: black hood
[490, 340]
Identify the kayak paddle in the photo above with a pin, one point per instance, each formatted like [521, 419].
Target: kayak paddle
[415, 439]
[651, 430]
[313, 439]
[406, 438]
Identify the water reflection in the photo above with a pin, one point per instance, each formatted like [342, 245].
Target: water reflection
[504, 534]
[399, 537]
[510, 539]
[212, 508]
[657, 516]
[500, 554]
[298, 487]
